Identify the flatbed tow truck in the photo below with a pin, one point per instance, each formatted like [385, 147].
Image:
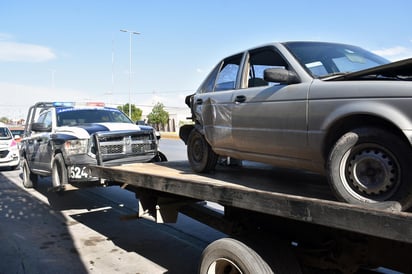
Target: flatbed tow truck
[277, 221]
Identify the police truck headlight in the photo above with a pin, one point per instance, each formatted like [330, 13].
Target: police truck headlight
[76, 146]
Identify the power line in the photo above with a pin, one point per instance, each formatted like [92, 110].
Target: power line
[158, 92]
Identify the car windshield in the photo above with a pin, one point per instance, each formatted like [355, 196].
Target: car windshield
[326, 59]
[4, 133]
[73, 117]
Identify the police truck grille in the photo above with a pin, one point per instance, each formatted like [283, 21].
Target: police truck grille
[111, 149]
[127, 145]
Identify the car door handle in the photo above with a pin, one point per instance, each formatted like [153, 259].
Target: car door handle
[199, 101]
[240, 99]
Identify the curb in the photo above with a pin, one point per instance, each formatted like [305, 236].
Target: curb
[169, 135]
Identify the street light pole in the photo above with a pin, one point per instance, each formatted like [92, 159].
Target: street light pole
[130, 66]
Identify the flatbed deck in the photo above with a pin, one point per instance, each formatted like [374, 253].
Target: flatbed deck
[294, 195]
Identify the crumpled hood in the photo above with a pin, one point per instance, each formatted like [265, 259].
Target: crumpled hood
[399, 68]
[85, 130]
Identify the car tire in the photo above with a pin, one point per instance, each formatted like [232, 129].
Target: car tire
[199, 153]
[59, 172]
[369, 166]
[29, 179]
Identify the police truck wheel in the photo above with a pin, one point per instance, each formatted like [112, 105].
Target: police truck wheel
[231, 256]
[160, 157]
[59, 172]
[201, 156]
[29, 179]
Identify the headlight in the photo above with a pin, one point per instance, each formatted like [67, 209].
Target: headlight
[73, 147]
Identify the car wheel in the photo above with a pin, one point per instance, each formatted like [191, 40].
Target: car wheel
[59, 172]
[371, 165]
[201, 156]
[29, 179]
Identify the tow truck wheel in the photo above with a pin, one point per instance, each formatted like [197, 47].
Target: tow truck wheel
[231, 256]
[371, 165]
[29, 179]
[201, 156]
[59, 172]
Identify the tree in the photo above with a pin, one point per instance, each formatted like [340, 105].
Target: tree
[135, 111]
[158, 116]
[4, 120]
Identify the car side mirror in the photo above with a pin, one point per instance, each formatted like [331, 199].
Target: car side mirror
[41, 127]
[280, 75]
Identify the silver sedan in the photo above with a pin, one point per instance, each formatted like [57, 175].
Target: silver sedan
[325, 107]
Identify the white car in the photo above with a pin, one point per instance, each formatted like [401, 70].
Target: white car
[9, 150]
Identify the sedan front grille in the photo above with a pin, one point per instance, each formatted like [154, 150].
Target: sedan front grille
[4, 153]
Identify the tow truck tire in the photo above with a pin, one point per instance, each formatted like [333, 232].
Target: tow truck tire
[199, 153]
[370, 166]
[29, 179]
[59, 172]
[231, 256]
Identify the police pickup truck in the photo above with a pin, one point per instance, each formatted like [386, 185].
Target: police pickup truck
[62, 139]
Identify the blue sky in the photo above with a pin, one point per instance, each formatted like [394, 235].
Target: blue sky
[74, 50]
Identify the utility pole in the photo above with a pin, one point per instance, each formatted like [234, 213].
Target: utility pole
[130, 66]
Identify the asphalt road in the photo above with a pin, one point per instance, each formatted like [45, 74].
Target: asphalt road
[85, 231]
